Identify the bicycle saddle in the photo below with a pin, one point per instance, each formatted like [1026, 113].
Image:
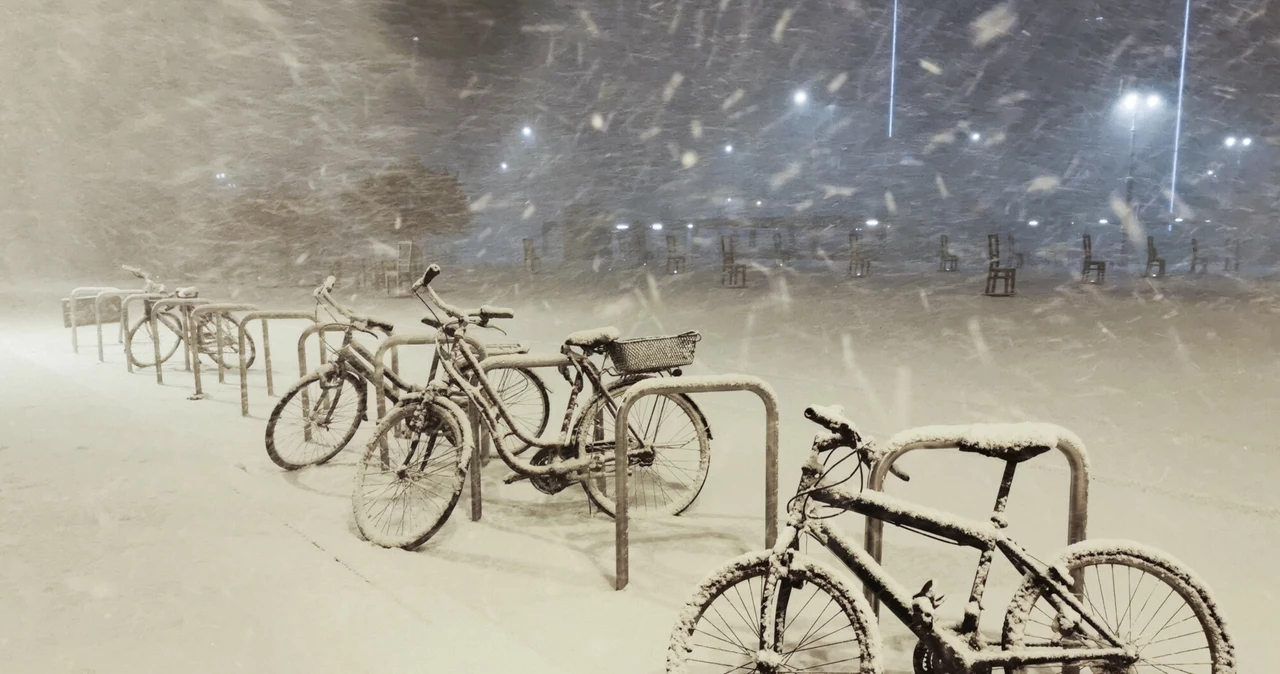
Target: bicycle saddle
[1014, 454]
[187, 292]
[593, 339]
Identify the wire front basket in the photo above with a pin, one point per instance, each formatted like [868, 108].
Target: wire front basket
[652, 354]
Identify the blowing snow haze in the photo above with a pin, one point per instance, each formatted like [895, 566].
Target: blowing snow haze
[176, 124]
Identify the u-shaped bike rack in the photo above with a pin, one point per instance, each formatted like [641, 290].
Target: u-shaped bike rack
[185, 306]
[242, 326]
[686, 385]
[950, 437]
[124, 320]
[193, 343]
[81, 293]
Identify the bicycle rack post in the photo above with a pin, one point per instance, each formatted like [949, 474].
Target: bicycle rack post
[184, 304]
[510, 356]
[194, 344]
[97, 314]
[685, 386]
[124, 320]
[242, 326]
[81, 293]
[906, 441]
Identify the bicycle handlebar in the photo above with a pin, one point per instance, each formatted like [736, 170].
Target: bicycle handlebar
[844, 434]
[483, 313]
[324, 294]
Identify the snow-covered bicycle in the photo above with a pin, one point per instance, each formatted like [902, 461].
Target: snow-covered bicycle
[168, 330]
[1102, 606]
[414, 469]
[319, 415]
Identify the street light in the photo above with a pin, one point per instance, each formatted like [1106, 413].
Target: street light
[689, 226]
[527, 132]
[657, 226]
[1230, 141]
[975, 137]
[1130, 103]
[1034, 223]
[1102, 221]
[504, 166]
[728, 149]
[758, 202]
[622, 226]
[800, 97]
[872, 222]
[1247, 142]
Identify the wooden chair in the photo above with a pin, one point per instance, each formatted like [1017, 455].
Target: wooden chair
[1091, 266]
[996, 273]
[1015, 258]
[732, 273]
[859, 266]
[1231, 260]
[1153, 260]
[531, 261]
[1197, 260]
[946, 261]
[675, 258]
[781, 255]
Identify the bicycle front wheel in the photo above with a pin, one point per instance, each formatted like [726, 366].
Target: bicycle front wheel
[820, 626]
[1140, 595]
[526, 399]
[142, 349]
[315, 419]
[411, 475]
[668, 474]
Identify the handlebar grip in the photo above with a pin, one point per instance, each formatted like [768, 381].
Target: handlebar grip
[899, 473]
[427, 277]
[329, 283]
[827, 417]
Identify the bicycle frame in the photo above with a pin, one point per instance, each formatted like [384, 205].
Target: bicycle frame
[492, 410]
[959, 645]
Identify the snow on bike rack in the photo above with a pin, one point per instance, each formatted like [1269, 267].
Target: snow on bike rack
[185, 306]
[193, 344]
[124, 320]
[242, 326]
[687, 385]
[97, 314]
[79, 294]
[993, 438]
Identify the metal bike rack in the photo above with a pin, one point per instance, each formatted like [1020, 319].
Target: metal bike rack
[687, 385]
[242, 326]
[193, 344]
[949, 437]
[124, 320]
[185, 305]
[81, 293]
[317, 329]
[478, 430]
[97, 313]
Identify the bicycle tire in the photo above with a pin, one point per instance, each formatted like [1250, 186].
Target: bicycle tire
[295, 392]
[513, 397]
[142, 353]
[744, 584]
[444, 423]
[1179, 580]
[600, 485]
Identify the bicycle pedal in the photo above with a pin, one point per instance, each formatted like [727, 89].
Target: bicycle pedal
[514, 478]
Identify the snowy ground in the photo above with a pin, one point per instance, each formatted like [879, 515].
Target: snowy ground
[144, 532]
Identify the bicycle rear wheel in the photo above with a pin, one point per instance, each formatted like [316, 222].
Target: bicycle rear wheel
[142, 340]
[667, 479]
[230, 354]
[324, 411]
[526, 399]
[411, 475]
[819, 623]
[1148, 600]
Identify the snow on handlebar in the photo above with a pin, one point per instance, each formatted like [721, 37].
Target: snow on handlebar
[843, 433]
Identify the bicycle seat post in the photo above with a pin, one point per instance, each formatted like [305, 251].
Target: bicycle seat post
[972, 611]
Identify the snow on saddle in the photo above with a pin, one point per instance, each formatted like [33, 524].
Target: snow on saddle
[593, 339]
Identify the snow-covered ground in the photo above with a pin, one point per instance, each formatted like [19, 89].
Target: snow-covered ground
[143, 532]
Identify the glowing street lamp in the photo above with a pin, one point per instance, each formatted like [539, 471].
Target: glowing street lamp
[873, 222]
[1132, 102]
[800, 97]
[657, 226]
[1102, 221]
[503, 166]
[689, 226]
[1230, 141]
[728, 149]
[527, 132]
[975, 137]
[1034, 223]
[622, 226]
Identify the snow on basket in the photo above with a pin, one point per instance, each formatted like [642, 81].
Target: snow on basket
[653, 354]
